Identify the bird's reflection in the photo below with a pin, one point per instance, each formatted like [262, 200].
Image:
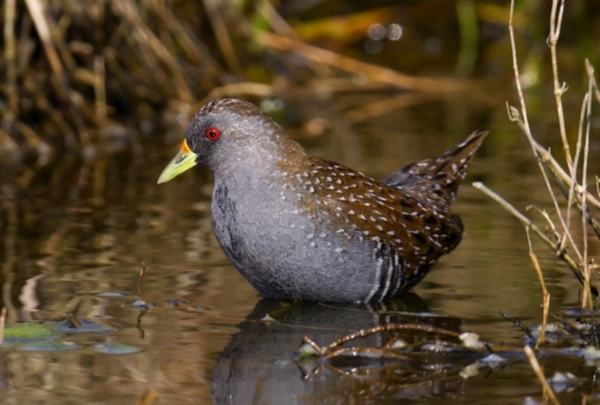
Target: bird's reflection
[258, 366]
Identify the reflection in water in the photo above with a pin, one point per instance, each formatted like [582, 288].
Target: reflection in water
[61, 251]
[257, 366]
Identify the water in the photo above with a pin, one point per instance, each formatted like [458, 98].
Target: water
[69, 246]
[72, 240]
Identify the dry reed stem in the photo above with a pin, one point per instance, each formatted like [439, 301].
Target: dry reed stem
[36, 10]
[540, 375]
[145, 36]
[561, 177]
[555, 246]
[10, 56]
[556, 17]
[584, 209]
[276, 22]
[574, 164]
[73, 320]
[148, 397]
[521, 117]
[215, 9]
[590, 72]
[279, 24]
[193, 45]
[575, 193]
[372, 72]
[545, 294]
[140, 281]
[327, 350]
[2, 323]
[366, 351]
[100, 87]
[387, 328]
[138, 324]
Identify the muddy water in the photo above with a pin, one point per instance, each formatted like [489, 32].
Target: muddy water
[64, 250]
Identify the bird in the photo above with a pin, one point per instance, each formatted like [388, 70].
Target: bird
[299, 227]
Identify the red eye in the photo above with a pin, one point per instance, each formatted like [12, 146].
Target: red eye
[212, 134]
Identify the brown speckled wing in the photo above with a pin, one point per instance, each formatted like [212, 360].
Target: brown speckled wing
[417, 225]
[407, 217]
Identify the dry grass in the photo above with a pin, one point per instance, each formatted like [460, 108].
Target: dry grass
[74, 70]
[572, 180]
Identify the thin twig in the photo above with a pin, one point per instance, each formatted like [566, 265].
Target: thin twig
[559, 89]
[73, 320]
[100, 87]
[561, 177]
[366, 351]
[584, 208]
[144, 35]
[590, 72]
[575, 164]
[140, 280]
[560, 253]
[138, 325]
[386, 328]
[521, 117]
[10, 56]
[540, 375]
[36, 10]
[518, 323]
[2, 323]
[214, 9]
[148, 397]
[545, 295]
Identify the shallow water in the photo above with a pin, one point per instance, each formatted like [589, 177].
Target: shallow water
[205, 329]
[75, 244]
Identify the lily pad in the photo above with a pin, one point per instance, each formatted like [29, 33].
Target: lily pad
[116, 348]
[27, 332]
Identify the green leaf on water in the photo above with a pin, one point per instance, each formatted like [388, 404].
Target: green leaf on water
[27, 332]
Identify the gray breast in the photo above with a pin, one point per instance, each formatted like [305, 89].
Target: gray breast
[287, 253]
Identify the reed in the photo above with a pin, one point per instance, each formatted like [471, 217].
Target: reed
[571, 179]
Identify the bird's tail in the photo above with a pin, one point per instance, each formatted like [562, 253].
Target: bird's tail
[445, 174]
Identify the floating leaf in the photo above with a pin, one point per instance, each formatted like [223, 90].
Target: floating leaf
[116, 348]
[27, 332]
